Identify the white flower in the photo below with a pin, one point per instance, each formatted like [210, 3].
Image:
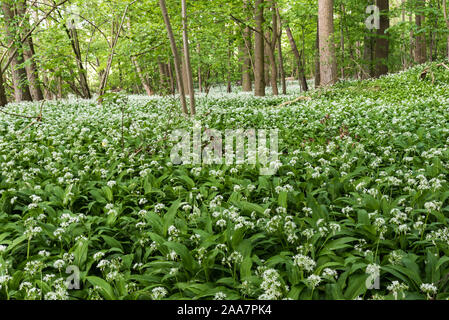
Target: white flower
[221, 223]
[304, 262]
[395, 287]
[59, 264]
[220, 296]
[111, 184]
[159, 293]
[98, 255]
[313, 280]
[429, 288]
[373, 270]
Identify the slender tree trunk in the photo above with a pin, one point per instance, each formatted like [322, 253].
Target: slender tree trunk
[3, 99]
[412, 41]
[175, 53]
[72, 33]
[317, 56]
[246, 67]
[300, 66]
[271, 49]
[200, 80]
[59, 87]
[328, 62]
[382, 41]
[169, 70]
[281, 58]
[342, 40]
[185, 39]
[143, 79]
[19, 75]
[229, 68]
[368, 56]
[259, 52]
[162, 76]
[446, 18]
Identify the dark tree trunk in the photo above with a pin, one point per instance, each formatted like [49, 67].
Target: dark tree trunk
[3, 100]
[259, 52]
[382, 42]
[73, 37]
[368, 56]
[420, 39]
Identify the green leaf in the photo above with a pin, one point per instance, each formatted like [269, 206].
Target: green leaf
[105, 288]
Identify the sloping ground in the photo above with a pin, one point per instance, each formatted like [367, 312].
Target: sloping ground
[361, 198]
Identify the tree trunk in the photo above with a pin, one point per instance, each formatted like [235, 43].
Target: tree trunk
[281, 60]
[342, 40]
[143, 79]
[381, 51]
[301, 74]
[446, 18]
[328, 63]
[163, 78]
[317, 57]
[368, 56]
[175, 53]
[28, 53]
[259, 52]
[420, 42]
[229, 68]
[169, 70]
[272, 49]
[246, 67]
[72, 33]
[19, 75]
[200, 80]
[185, 39]
[3, 100]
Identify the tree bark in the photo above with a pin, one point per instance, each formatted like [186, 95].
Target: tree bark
[19, 75]
[420, 39]
[29, 53]
[3, 99]
[185, 39]
[143, 79]
[200, 80]
[72, 33]
[271, 49]
[259, 52]
[169, 72]
[246, 67]
[328, 63]
[175, 53]
[281, 58]
[301, 74]
[446, 18]
[381, 51]
[317, 56]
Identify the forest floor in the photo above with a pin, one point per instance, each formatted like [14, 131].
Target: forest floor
[358, 207]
